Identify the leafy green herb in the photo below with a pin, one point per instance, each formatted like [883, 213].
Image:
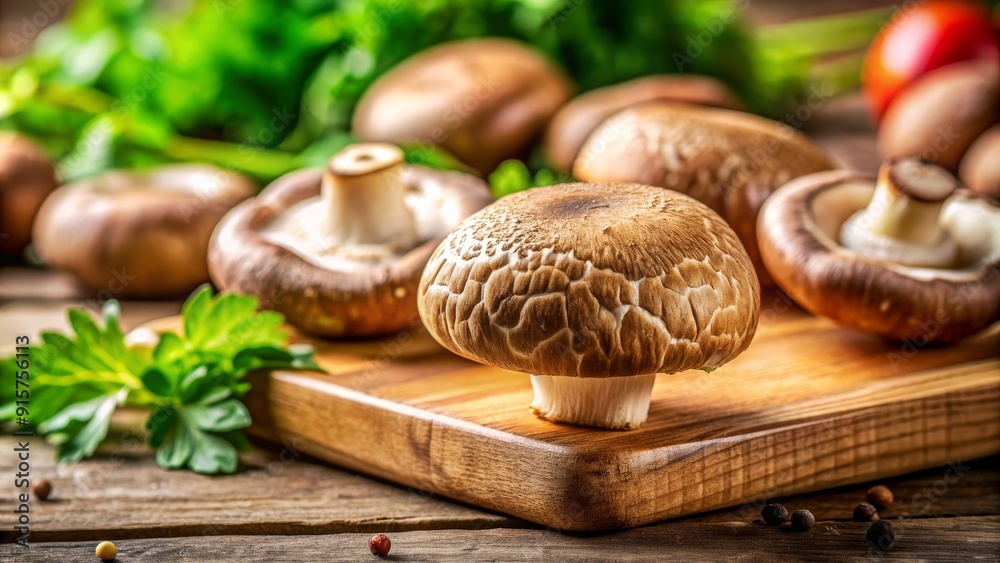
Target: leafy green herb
[112, 84]
[514, 176]
[191, 381]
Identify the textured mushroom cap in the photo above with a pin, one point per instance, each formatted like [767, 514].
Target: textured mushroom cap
[728, 160]
[574, 122]
[980, 168]
[799, 240]
[138, 233]
[592, 281]
[27, 175]
[370, 299]
[939, 116]
[484, 100]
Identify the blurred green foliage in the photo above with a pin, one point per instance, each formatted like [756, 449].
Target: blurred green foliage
[263, 86]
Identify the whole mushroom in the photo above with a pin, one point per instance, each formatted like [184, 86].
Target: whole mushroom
[592, 289]
[574, 122]
[728, 160]
[27, 176]
[904, 256]
[484, 100]
[339, 250]
[138, 234]
[943, 113]
[980, 168]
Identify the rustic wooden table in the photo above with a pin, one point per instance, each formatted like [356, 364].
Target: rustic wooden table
[283, 506]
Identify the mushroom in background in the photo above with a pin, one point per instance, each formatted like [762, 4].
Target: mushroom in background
[574, 122]
[339, 251]
[138, 234]
[728, 160]
[941, 115]
[27, 177]
[483, 100]
[592, 289]
[980, 168]
[904, 256]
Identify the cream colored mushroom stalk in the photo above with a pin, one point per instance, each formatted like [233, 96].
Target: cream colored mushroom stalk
[360, 215]
[592, 289]
[901, 222]
[617, 403]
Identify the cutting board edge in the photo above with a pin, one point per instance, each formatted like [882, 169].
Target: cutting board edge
[563, 496]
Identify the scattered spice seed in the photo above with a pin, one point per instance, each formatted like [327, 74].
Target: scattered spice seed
[865, 512]
[802, 520]
[774, 514]
[43, 489]
[880, 496]
[880, 535]
[106, 551]
[379, 545]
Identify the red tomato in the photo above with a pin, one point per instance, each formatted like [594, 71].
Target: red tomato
[922, 36]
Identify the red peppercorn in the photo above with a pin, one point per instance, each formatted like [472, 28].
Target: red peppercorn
[43, 489]
[379, 545]
[880, 496]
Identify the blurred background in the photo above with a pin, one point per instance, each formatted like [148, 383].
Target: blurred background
[134, 82]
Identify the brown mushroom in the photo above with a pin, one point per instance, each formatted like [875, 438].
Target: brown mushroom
[980, 168]
[574, 122]
[940, 115]
[484, 100]
[904, 256]
[27, 176]
[728, 160]
[592, 289]
[138, 234]
[339, 251]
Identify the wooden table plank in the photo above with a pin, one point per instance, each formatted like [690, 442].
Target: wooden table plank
[933, 539]
[122, 494]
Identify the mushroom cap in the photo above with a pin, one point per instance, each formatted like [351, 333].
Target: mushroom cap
[728, 160]
[484, 100]
[138, 233]
[367, 300]
[980, 168]
[942, 114]
[27, 176]
[592, 281]
[799, 240]
[574, 122]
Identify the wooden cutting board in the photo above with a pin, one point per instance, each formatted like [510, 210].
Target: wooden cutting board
[808, 406]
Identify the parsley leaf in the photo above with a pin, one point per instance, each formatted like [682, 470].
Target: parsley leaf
[191, 382]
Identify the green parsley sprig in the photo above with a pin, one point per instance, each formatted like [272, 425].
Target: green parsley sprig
[192, 381]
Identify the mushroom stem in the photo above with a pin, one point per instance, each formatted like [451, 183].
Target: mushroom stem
[364, 198]
[616, 403]
[901, 222]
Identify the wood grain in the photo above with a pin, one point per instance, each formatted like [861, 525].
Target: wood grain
[809, 406]
[122, 494]
[951, 539]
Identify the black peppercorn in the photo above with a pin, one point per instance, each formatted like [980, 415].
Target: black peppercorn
[865, 512]
[802, 520]
[774, 514]
[880, 535]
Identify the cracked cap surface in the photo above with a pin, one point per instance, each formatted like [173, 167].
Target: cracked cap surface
[592, 281]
